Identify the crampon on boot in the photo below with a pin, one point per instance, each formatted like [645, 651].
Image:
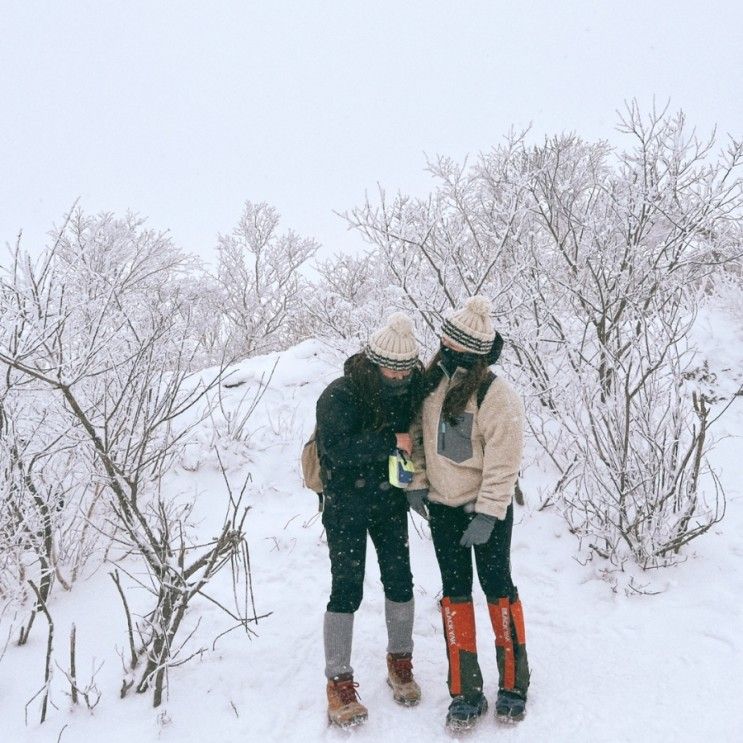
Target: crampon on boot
[464, 713]
[465, 679]
[510, 706]
[405, 690]
[344, 708]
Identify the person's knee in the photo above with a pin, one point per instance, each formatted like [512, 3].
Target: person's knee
[399, 586]
[399, 592]
[495, 578]
[456, 583]
[500, 589]
[346, 601]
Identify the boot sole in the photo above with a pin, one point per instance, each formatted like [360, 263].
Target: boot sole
[352, 723]
[402, 701]
[508, 716]
[462, 726]
[456, 728]
[506, 719]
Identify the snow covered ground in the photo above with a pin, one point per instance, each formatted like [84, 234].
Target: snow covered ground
[606, 666]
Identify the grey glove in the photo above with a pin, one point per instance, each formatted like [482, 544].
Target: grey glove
[479, 530]
[417, 500]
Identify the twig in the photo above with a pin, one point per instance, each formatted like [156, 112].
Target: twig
[73, 675]
[130, 630]
[49, 647]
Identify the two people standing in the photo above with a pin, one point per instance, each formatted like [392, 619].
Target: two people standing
[467, 440]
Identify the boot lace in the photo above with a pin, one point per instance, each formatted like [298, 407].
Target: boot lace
[347, 691]
[403, 669]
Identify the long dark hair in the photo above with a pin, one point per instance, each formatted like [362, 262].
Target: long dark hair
[366, 380]
[457, 397]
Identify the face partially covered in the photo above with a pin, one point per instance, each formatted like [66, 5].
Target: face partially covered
[394, 374]
[455, 356]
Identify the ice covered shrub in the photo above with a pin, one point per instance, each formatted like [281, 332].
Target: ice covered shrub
[594, 260]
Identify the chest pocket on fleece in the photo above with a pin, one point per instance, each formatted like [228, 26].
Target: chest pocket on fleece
[455, 442]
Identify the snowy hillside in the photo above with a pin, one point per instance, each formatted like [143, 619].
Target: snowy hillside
[606, 666]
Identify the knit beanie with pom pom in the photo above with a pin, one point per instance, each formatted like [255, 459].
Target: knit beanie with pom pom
[394, 346]
[471, 327]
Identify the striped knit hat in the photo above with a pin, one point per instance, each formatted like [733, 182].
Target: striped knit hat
[471, 327]
[394, 346]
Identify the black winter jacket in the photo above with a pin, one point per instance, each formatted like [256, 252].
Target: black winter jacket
[350, 448]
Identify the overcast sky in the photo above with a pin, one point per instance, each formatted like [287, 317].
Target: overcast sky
[183, 110]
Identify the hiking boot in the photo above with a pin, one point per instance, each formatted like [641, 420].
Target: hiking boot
[510, 706]
[344, 708]
[464, 713]
[400, 678]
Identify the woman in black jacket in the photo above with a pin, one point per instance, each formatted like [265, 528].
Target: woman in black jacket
[363, 418]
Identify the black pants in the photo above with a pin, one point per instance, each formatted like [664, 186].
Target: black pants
[349, 514]
[493, 558]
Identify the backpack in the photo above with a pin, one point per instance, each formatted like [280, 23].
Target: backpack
[311, 469]
[310, 460]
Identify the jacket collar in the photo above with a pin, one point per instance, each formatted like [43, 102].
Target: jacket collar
[458, 372]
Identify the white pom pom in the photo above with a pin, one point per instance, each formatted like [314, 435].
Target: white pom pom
[479, 305]
[400, 323]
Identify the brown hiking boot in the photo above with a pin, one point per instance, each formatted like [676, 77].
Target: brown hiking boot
[344, 708]
[400, 678]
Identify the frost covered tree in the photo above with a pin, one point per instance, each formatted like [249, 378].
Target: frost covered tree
[47, 503]
[118, 374]
[139, 268]
[47, 499]
[351, 296]
[458, 242]
[259, 282]
[621, 249]
[594, 260]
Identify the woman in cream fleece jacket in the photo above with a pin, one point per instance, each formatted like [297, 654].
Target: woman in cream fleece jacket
[468, 444]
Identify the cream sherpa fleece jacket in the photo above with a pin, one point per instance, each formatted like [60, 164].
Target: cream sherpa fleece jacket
[478, 460]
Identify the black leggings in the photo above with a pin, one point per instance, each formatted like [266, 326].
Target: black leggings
[493, 558]
[348, 516]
